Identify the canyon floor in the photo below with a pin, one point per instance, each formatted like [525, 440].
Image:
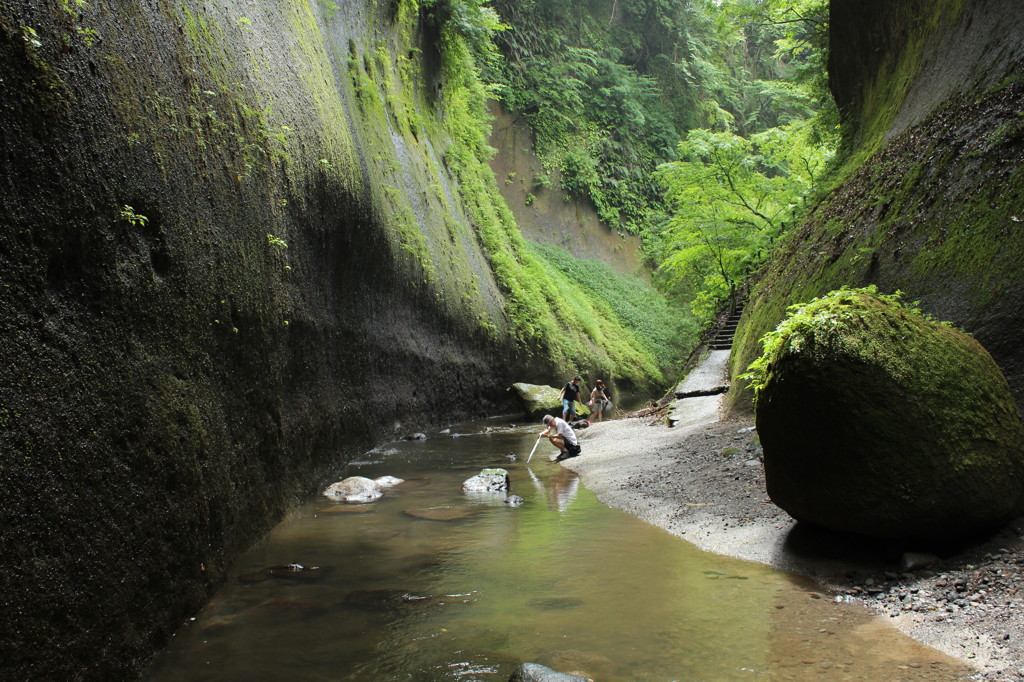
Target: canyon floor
[703, 481]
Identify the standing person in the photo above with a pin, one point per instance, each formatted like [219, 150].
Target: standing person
[599, 400]
[562, 437]
[569, 395]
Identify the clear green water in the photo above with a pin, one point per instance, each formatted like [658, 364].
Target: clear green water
[562, 581]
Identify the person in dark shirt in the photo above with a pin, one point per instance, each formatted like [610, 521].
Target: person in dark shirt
[570, 395]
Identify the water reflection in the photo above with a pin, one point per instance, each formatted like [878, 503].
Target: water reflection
[562, 488]
[429, 584]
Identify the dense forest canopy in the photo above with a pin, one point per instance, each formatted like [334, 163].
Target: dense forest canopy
[698, 125]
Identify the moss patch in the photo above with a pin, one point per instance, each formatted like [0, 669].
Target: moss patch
[878, 420]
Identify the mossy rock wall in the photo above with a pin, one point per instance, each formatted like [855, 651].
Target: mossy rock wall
[220, 274]
[929, 201]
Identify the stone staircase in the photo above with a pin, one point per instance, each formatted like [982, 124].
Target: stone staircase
[723, 339]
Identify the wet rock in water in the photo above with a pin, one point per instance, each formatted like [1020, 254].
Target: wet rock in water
[511, 457]
[441, 513]
[388, 481]
[415, 436]
[878, 421]
[535, 672]
[383, 599]
[296, 572]
[514, 501]
[487, 481]
[354, 489]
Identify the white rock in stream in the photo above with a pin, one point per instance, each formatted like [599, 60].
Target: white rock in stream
[388, 481]
[354, 489]
[487, 481]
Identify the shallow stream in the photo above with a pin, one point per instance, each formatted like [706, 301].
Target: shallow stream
[561, 580]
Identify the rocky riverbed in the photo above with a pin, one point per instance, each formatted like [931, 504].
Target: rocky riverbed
[704, 482]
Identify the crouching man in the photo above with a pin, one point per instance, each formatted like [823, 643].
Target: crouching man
[561, 436]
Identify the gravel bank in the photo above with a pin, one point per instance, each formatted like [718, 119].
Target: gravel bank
[703, 481]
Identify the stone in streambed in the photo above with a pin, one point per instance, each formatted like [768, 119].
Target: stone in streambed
[877, 420]
[539, 400]
[487, 481]
[354, 489]
[360, 488]
[441, 513]
[297, 572]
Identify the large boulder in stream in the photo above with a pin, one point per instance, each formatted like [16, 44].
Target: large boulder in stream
[877, 420]
[540, 400]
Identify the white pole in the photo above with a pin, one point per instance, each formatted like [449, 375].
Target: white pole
[534, 450]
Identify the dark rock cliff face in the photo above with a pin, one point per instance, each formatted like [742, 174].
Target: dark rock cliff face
[931, 197]
[201, 308]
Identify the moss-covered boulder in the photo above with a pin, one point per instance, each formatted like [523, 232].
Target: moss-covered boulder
[876, 419]
[540, 400]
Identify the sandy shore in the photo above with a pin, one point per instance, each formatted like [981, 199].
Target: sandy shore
[703, 481]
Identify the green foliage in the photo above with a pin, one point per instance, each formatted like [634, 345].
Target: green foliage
[548, 312]
[128, 213]
[640, 308]
[30, 37]
[728, 200]
[610, 88]
[824, 316]
[472, 21]
[72, 7]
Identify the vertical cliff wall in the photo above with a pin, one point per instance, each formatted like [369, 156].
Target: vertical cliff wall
[930, 199]
[231, 247]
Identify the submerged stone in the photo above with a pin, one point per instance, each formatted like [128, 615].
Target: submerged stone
[877, 420]
[487, 481]
[441, 513]
[354, 489]
[286, 571]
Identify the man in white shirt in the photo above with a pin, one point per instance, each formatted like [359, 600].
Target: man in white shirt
[561, 436]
